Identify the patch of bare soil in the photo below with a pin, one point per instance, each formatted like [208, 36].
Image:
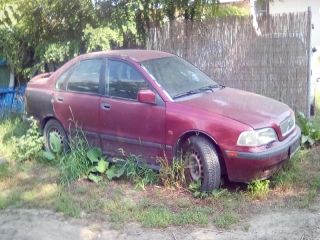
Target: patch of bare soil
[16, 224]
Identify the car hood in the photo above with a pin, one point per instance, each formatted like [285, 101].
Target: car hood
[252, 109]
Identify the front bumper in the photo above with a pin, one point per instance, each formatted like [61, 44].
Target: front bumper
[248, 166]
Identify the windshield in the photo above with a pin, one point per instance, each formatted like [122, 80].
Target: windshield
[177, 76]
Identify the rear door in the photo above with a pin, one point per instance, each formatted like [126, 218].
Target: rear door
[76, 101]
[127, 125]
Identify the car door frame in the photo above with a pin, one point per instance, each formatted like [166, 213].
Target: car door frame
[64, 90]
[159, 103]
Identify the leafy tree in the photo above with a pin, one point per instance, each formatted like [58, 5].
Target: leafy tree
[40, 35]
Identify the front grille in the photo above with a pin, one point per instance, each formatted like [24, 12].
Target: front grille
[287, 125]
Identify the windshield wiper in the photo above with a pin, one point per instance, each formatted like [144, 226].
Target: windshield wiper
[186, 93]
[209, 87]
[198, 90]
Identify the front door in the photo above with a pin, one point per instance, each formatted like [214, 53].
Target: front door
[77, 106]
[128, 126]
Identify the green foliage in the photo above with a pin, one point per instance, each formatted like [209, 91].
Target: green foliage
[98, 165]
[195, 187]
[29, 146]
[310, 134]
[100, 38]
[152, 215]
[56, 148]
[75, 164]
[259, 188]
[223, 11]
[139, 173]
[67, 205]
[172, 174]
[40, 35]
[226, 219]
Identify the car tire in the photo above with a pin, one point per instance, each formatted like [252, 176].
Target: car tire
[54, 126]
[201, 163]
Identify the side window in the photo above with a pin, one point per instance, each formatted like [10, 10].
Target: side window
[86, 76]
[60, 81]
[123, 80]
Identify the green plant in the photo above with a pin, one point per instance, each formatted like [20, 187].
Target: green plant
[75, 164]
[67, 205]
[56, 148]
[310, 134]
[4, 170]
[224, 220]
[101, 167]
[259, 188]
[29, 145]
[172, 174]
[194, 188]
[138, 172]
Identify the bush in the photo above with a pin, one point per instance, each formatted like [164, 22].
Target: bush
[172, 175]
[310, 134]
[259, 188]
[29, 145]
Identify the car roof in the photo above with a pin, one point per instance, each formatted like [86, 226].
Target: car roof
[138, 55]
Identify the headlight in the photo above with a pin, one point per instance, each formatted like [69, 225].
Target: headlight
[257, 137]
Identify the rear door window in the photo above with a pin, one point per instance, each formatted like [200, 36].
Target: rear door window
[86, 76]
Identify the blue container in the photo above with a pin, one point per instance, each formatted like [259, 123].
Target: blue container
[11, 100]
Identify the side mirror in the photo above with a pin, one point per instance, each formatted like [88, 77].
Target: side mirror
[318, 80]
[147, 96]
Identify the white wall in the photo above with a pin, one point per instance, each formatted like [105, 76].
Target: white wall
[281, 6]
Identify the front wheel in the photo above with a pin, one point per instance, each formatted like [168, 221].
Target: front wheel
[201, 163]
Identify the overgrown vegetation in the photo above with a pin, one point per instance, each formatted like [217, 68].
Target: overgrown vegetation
[259, 188]
[167, 199]
[40, 35]
[29, 145]
[310, 133]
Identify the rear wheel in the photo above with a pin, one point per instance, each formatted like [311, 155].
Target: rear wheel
[53, 129]
[202, 163]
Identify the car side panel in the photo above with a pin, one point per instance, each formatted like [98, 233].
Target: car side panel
[39, 102]
[78, 112]
[181, 119]
[136, 128]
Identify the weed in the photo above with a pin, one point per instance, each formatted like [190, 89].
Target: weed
[193, 215]
[11, 199]
[195, 187]
[226, 219]
[29, 146]
[139, 173]
[75, 164]
[67, 205]
[4, 170]
[172, 175]
[156, 217]
[259, 188]
[310, 133]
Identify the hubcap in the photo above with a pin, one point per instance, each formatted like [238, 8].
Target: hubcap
[194, 165]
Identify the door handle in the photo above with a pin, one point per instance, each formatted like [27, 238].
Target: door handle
[59, 99]
[105, 106]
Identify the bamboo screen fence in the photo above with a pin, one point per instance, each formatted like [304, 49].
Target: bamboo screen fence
[273, 63]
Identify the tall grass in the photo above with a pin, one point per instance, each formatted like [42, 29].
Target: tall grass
[75, 164]
[11, 128]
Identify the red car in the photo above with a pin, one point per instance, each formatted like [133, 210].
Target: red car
[154, 104]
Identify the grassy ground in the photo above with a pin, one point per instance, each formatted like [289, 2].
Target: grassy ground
[35, 184]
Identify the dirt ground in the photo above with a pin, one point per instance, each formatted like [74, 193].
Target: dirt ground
[16, 224]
